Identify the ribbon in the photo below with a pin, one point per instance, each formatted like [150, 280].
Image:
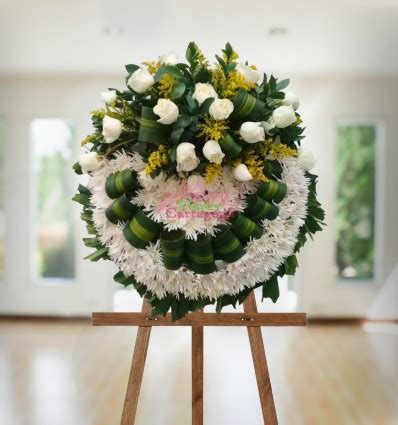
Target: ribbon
[120, 210]
[199, 255]
[150, 130]
[258, 209]
[272, 190]
[229, 146]
[247, 106]
[119, 183]
[172, 247]
[245, 228]
[141, 230]
[227, 246]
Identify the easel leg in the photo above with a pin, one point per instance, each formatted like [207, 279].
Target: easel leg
[197, 375]
[136, 371]
[260, 365]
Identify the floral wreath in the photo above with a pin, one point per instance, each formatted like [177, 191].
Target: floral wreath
[198, 189]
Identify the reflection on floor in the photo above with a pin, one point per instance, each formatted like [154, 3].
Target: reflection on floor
[72, 374]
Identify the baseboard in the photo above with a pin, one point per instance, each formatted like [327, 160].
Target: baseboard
[326, 320]
[43, 318]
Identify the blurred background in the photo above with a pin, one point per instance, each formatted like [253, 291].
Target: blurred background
[342, 59]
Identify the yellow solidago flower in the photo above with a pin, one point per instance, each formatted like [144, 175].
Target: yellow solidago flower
[233, 58]
[166, 85]
[152, 66]
[212, 171]
[157, 159]
[98, 113]
[280, 151]
[89, 139]
[298, 121]
[227, 85]
[255, 165]
[218, 79]
[212, 129]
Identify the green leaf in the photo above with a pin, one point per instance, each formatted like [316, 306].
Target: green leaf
[271, 289]
[97, 255]
[202, 75]
[225, 300]
[179, 308]
[195, 58]
[161, 307]
[178, 90]
[92, 243]
[272, 84]
[168, 70]
[91, 229]
[230, 67]
[176, 135]
[84, 190]
[282, 84]
[173, 153]
[127, 95]
[204, 107]
[124, 280]
[86, 216]
[291, 264]
[150, 130]
[131, 68]
[221, 61]
[183, 121]
[277, 95]
[77, 168]
[192, 103]
[82, 199]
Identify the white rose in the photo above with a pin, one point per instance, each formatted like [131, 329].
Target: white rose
[141, 80]
[306, 158]
[291, 99]
[167, 111]
[221, 109]
[212, 151]
[170, 58]
[203, 91]
[252, 132]
[186, 157]
[268, 125]
[250, 74]
[111, 129]
[284, 116]
[109, 97]
[196, 185]
[242, 173]
[89, 161]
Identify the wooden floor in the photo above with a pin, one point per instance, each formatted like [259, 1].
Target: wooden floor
[73, 374]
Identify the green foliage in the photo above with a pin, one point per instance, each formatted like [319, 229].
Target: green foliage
[355, 200]
[271, 289]
[198, 63]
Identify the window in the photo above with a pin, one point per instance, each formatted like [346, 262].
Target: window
[2, 212]
[53, 238]
[355, 204]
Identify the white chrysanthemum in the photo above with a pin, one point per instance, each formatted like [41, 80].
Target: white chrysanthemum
[263, 256]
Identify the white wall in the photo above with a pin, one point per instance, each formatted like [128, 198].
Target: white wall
[323, 101]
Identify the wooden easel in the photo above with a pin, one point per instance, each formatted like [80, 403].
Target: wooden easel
[250, 318]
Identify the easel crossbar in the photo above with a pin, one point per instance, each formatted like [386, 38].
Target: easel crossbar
[201, 319]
